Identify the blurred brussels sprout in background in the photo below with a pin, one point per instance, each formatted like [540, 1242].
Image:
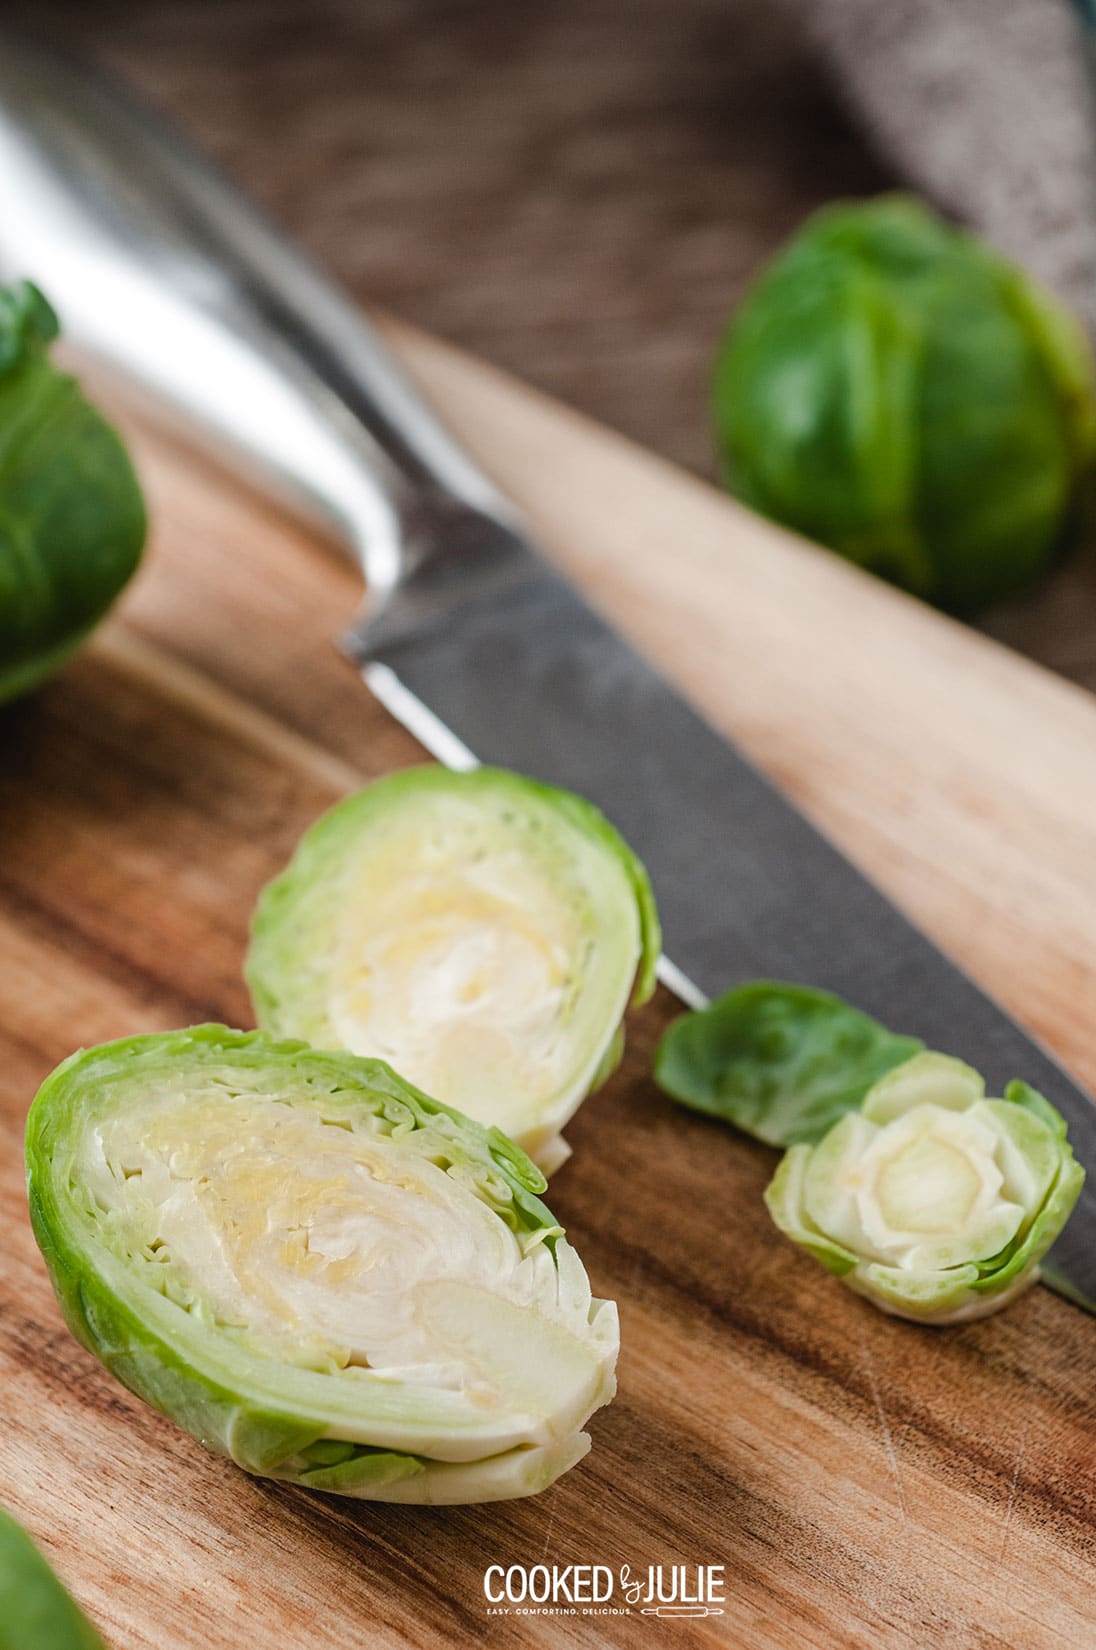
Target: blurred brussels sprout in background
[36, 1613]
[72, 519]
[893, 388]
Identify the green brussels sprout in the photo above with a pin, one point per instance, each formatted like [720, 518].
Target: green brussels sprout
[781, 1062]
[479, 931]
[72, 519]
[932, 1201]
[36, 1613]
[895, 389]
[902, 1178]
[315, 1269]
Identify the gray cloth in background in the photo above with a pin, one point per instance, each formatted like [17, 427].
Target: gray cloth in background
[986, 106]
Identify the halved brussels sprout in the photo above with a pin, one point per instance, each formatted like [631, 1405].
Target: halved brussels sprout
[479, 931]
[934, 1202]
[36, 1612]
[315, 1269]
[72, 520]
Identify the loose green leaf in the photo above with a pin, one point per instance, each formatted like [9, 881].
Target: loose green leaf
[36, 1613]
[72, 519]
[781, 1062]
[481, 931]
[315, 1269]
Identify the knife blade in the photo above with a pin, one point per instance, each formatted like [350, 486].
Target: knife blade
[469, 637]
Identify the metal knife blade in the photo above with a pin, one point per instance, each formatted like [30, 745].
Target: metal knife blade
[523, 673]
[472, 640]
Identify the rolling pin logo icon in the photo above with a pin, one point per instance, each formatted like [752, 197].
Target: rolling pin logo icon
[678, 1610]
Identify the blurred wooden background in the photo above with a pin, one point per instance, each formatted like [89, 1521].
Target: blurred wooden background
[577, 190]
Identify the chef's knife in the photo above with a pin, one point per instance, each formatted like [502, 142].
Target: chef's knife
[157, 264]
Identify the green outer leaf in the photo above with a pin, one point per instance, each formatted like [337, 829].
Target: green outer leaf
[782, 1062]
[1068, 357]
[590, 820]
[264, 1416]
[610, 1060]
[895, 389]
[1022, 1094]
[36, 1612]
[28, 324]
[933, 1297]
[784, 1201]
[72, 519]
[1047, 1224]
[938, 1078]
[384, 1475]
[362, 1472]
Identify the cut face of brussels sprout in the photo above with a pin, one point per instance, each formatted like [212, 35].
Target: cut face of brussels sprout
[480, 932]
[315, 1269]
[933, 1201]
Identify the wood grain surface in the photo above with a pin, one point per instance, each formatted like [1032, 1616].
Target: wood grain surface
[865, 1483]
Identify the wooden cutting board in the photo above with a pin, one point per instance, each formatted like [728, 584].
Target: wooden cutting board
[863, 1482]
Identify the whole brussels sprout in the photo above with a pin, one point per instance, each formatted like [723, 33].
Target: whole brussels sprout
[896, 390]
[72, 520]
[934, 1202]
